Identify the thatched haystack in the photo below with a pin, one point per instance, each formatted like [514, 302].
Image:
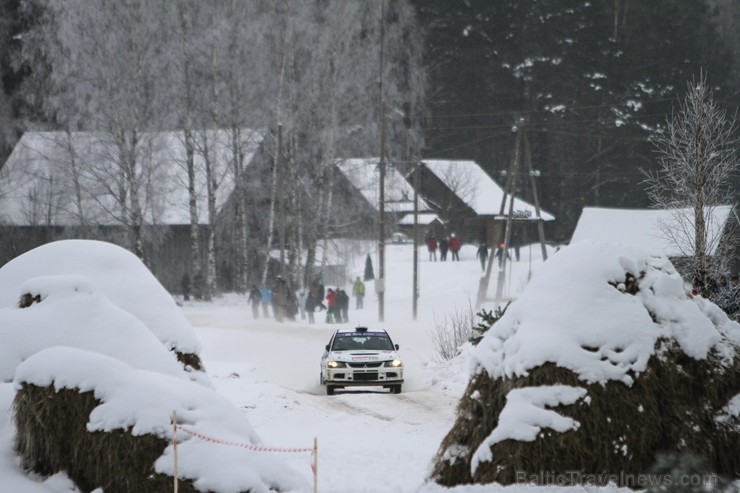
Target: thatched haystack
[107, 424]
[621, 429]
[603, 430]
[51, 436]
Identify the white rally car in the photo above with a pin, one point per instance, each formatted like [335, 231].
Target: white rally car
[361, 357]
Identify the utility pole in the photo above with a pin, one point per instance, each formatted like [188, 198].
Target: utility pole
[521, 151]
[415, 294]
[281, 197]
[380, 282]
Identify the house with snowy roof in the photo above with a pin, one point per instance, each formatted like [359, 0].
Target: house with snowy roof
[356, 195]
[59, 185]
[473, 204]
[650, 229]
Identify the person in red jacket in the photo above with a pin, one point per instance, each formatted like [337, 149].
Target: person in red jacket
[331, 303]
[432, 247]
[455, 245]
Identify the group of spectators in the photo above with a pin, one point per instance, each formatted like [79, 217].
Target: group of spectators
[285, 304]
[445, 244]
[281, 299]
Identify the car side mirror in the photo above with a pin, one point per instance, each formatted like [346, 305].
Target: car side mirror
[396, 347]
[327, 347]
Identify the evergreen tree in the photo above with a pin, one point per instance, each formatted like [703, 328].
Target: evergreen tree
[369, 274]
[593, 81]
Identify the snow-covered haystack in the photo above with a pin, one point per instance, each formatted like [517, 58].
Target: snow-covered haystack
[121, 277]
[68, 310]
[602, 363]
[110, 426]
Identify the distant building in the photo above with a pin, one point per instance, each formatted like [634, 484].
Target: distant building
[645, 228]
[472, 204]
[357, 200]
[58, 185]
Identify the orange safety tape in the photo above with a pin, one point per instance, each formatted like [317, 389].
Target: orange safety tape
[247, 446]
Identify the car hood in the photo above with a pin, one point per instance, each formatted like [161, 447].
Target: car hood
[360, 356]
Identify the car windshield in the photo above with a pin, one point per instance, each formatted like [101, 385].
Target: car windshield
[374, 341]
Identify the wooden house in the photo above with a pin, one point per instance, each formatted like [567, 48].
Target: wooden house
[59, 185]
[472, 204]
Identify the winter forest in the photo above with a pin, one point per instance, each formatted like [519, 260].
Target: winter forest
[592, 83]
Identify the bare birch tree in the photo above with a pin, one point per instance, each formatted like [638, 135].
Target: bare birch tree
[327, 101]
[103, 64]
[697, 165]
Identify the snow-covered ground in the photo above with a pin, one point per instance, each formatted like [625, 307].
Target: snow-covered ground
[368, 439]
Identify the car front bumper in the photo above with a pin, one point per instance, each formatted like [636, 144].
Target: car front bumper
[363, 376]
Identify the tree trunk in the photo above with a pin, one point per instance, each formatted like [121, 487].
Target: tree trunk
[700, 228]
[212, 187]
[240, 284]
[195, 264]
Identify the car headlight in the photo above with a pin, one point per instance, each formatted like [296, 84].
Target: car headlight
[336, 364]
[396, 363]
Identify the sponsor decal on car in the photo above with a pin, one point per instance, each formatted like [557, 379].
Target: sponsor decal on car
[364, 358]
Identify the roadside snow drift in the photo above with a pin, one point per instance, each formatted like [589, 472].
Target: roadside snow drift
[70, 311]
[93, 387]
[119, 275]
[116, 429]
[647, 368]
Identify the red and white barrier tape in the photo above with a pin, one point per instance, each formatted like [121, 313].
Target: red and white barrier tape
[248, 446]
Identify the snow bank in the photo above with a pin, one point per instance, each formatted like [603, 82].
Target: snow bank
[144, 401]
[118, 273]
[73, 312]
[578, 313]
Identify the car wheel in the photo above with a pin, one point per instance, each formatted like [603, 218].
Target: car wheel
[396, 389]
[329, 390]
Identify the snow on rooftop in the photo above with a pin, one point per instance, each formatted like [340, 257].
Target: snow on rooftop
[574, 313]
[645, 227]
[119, 275]
[363, 174]
[477, 189]
[423, 218]
[38, 181]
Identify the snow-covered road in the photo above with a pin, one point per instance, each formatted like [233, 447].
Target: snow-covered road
[369, 440]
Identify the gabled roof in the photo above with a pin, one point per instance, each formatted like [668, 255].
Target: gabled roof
[424, 218]
[38, 181]
[363, 174]
[477, 189]
[645, 228]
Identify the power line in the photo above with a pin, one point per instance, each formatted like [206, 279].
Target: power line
[534, 112]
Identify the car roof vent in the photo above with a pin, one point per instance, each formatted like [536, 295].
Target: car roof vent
[361, 329]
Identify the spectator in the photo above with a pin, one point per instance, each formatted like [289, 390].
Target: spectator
[500, 253]
[266, 300]
[455, 245]
[482, 254]
[255, 297]
[343, 305]
[331, 303]
[444, 245]
[311, 303]
[280, 299]
[432, 247]
[358, 291]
